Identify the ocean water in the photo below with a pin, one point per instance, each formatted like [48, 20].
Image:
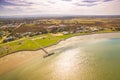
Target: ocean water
[92, 60]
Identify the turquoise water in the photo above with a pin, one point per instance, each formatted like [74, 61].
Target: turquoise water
[99, 60]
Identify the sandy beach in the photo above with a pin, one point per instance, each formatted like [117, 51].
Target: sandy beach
[9, 62]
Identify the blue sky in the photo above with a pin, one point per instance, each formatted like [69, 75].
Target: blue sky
[61, 7]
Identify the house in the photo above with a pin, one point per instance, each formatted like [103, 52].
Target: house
[10, 38]
[94, 29]
[65, 32]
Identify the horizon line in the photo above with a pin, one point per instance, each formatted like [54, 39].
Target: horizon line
[56, 15]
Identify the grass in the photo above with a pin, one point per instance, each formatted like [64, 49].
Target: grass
[28, 44]
[0, 38]
[30, 25]
[105, 31]
[35, 42]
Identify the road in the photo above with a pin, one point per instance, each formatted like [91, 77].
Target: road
[10, 33]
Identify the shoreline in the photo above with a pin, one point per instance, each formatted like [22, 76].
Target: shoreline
[14, 60]
[58, 42]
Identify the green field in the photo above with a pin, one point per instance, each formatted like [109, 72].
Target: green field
[35, 42]
[30, 43]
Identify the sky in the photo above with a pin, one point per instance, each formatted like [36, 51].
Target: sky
[59, 7]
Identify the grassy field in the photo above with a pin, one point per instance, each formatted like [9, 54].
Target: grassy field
[30, 43]
[105, 31]
[0, 38]
[35, 42]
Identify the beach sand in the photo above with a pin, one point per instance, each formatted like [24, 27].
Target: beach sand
[10, 62]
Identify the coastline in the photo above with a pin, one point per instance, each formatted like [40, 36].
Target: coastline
[58, 42]
[11, 61]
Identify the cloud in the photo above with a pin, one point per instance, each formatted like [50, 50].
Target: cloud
[3, 2]
[51, 2]
[10, 7]
[66, 0]
[87, 5]
[15, 3]
[107, 0]
[90, 1]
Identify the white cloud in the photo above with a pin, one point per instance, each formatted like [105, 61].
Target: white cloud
[79, 7]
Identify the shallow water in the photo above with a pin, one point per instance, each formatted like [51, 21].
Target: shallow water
[92, 60]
